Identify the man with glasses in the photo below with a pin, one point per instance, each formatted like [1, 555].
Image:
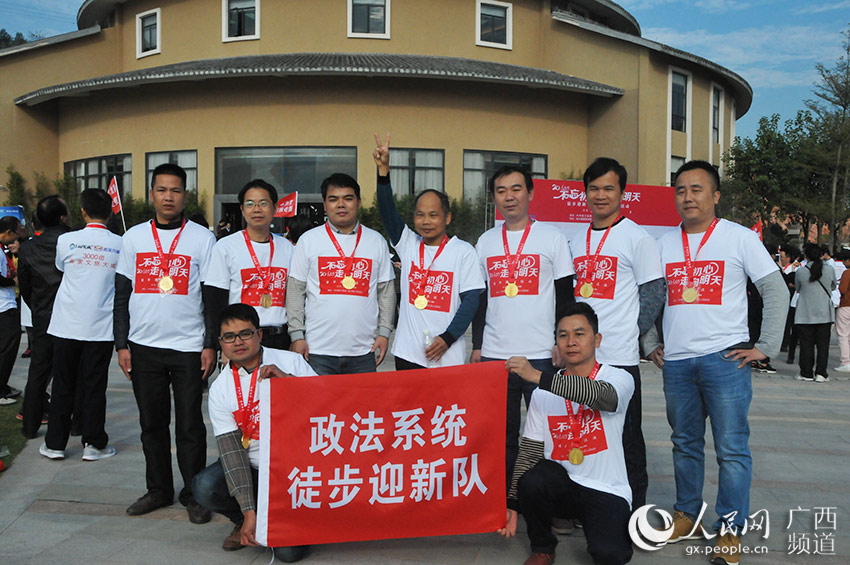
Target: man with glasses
[251, 265]
[162, 340]
[229, 486]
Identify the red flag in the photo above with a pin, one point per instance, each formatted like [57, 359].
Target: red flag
[375, 456]
[113, 193]
[758, 229]
[287, 206]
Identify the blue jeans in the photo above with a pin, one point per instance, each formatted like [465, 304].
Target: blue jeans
[711, 386]
[336, 365]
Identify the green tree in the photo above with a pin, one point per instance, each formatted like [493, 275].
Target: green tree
[7, 40]
[18, 193]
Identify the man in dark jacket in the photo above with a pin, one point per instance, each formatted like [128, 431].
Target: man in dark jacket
[39, 280]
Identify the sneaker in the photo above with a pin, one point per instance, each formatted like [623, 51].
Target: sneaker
[13, 392]
[727, 551]
[804, 378]
[149, 502]
[51, 453]
[821, 379]
[197, 513]
[843, 369]
[563, 526]
[765, 367]
[540, 559]
[684, 528]
[7, 399]
[26, 354]
[233, 542]
[91, 453]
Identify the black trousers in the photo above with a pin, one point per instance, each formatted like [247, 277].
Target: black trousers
[634, 447]
[276, 338]
[38, 377]
[10, 339]
[154, 371]
[405, 365]
[546, 490]
[79, 368]
[811, 336]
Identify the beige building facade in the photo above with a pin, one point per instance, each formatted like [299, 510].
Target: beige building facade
[292, 90]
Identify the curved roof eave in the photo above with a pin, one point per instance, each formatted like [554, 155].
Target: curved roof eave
[743, 90]
[336, 64]
[91, 12]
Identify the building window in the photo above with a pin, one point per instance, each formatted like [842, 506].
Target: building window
[240, 20]
[479, 166]
[369, 18]
[186, 159]
[679, 94]
[494, 24]
[96, 172]
[415, 170]
[675, 163]
[287, 168]
[715, 114]
[148, 33]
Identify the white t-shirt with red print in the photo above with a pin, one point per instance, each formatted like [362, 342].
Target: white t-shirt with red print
[171, 321]
[340, 321]
[628, 258]
[600, 436]
[717, 319]
[525, 324]
[232, 269]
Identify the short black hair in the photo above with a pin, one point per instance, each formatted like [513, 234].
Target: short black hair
[702, 165]
[602, 166]
[169, 169]
[50, 210]
[580, 309]
[444, 200]
[507, 170]
[340, 180]
[261, 184]
[96, 203]
[8, 223]
[239, 311]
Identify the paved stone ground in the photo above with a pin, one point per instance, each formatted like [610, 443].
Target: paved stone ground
[73, 512]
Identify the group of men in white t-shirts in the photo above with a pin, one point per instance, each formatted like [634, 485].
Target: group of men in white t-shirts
[330, 300]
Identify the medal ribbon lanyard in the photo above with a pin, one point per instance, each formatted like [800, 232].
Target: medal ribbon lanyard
[575, 419]
[98, 226]
[265, 280]
[165, 261]
[590, 266]
[247, 425]
[513, 260]
[421, 290]
[350, 259]
[689, 265]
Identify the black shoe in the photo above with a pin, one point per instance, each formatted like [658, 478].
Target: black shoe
[765, 367]
[25, 354]
[148, 503]
[197, 513]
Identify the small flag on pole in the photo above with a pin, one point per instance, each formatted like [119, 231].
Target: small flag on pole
[758, 229]
[287, 206]
[116, 200]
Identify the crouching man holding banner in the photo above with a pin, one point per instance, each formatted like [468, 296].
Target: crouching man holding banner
[229, 486]
[571, 461]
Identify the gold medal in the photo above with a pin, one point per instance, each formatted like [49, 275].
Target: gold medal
[586, 290]
[511, 290]
[166, 283]
[246, 441]
[420, 302]
[690, 294]
[348, 282]
[266, 301]
[576, 456]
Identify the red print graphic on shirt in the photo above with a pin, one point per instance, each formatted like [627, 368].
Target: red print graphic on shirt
[591, 437]
[148, 273]
[707, 278]
[603, 279]
[438, 287]
[527, 275]
[332, 271]
[251, 282]
[255, 419]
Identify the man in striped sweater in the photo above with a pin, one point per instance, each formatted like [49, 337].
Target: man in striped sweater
[571, 461]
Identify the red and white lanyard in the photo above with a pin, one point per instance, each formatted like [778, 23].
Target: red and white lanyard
[421, 290]
[593, 261]
[575, 419]
[513, 260]
[350, 259]
[689, 265]
[265, 280]
[165, 261]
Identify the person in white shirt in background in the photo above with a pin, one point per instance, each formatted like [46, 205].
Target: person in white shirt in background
[81, 326]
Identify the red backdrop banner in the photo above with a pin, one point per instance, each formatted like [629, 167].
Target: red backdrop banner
[382, 455]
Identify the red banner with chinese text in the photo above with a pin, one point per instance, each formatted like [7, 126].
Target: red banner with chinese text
[382, 455]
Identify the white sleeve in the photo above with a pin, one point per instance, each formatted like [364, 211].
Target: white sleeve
[218, 271]
[535, 420]
[60, 255]
[646, 261]
[624, 384]
[562, 259]
[299, 268]
[470, 272]
[757, 261]
[221, 418]
[127, 258]
[206, 253]
[385, 264]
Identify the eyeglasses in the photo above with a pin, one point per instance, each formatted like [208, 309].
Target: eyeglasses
[244, 335]
[265, 204]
